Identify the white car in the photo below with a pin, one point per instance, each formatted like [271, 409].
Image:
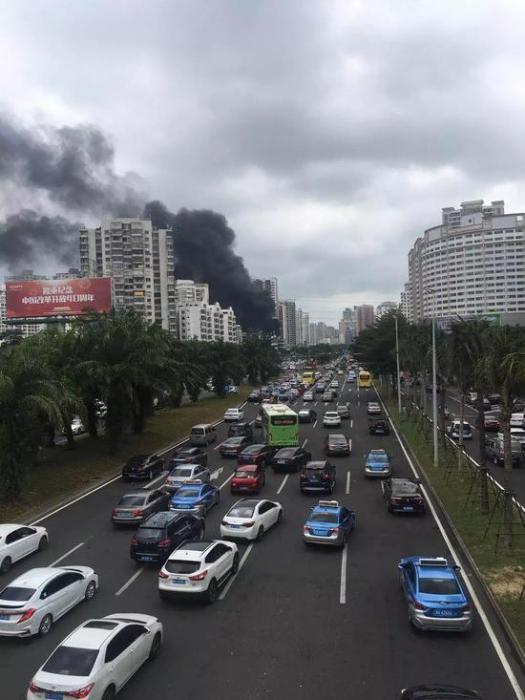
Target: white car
[250, 518]
[198, 568]
[373, 408]
[18, 541]
[33, 602]
[334, 384]
[331, 419]
[517, 420]
[308, 396]
[233, 414]
[77, 427]
[98, 658]
[183, 473]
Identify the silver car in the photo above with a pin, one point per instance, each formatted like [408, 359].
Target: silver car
[31, 603]
[134, 507]
[183, 473]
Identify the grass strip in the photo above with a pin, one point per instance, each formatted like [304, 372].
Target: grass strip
[61, 473]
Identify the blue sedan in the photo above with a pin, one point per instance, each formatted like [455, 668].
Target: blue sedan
[435, 595]
[195, 498]
[377, 464]
[329, 523]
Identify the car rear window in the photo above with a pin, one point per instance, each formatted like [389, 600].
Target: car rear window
[71, 661]
[241, 512]
[439, 586]
[324, 518]
[405, 487]
[150, 532]
[16, 593]
[176, 566]
[187, 493]
[132, 501]
[197, 431]
[374, 457]
[181, 471]
[243, 474]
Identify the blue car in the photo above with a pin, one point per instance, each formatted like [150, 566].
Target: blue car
[435, 595]
[330, 523]
[377, 464]
[195, 498]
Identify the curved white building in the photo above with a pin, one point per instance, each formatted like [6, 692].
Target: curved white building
[473, 263]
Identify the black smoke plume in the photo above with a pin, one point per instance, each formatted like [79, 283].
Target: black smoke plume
[204, 252]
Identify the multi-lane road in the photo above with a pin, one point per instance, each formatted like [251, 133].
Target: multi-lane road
[296, 622]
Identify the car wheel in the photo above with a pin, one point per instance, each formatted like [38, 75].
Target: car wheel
[42, 544]
[90, 591]
[260, 533]
[109, 693]
[211, 593]
[235, 565]
[155, 647]
[45, 625]
[6, 565]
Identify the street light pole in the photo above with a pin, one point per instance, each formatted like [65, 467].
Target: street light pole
[434, 393]
[398, 377]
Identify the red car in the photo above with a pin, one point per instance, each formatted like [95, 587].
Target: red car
[492, 425]
[247, 479]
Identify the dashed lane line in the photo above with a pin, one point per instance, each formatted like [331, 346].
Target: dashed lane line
[130, 581]
[283, 483]
[348, 479]
[315, 424]
[73, 549]
[226, 481]
[227, 587]
[342, 590]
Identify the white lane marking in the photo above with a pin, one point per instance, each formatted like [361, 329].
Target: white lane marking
[486, 622]
[315, 404]
[227, 587]
[130, 581]
[283, 482]
[226, 481]
[315, 423]
[304, 444]
[219, 445]
[348, 478]
[73, 549]
[216, 474]
[342, 591]
[154, 481]
[351, 422]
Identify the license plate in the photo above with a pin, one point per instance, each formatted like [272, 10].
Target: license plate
[408, 508]
[235, 527]
[147, 558]
[319, 533]
[182, 505]
[281, 461]
[177, 581]
[5, 617]
[443, 613]
[52, 695]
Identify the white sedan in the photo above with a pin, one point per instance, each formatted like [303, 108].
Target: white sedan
[250, 518]
[198, 569]
[18, 541]
[308, 396]
[331, 419]
[31, 603]
[233, 414]
[98, 658]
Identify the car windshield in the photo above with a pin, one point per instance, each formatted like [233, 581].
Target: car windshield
[16, 593]
[181, 471]
[377, 457]
[132, 501]
[184, 566]
[71, 661]
[439, 586]
[241, 512]
[187, 493]
[324, 518]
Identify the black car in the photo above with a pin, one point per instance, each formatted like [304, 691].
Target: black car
[254, 397]
[439, 692]
[143, 467]
[232, 446]
[337, 444]
[262, 455]
[379, 427]
[307, 415]
[161, 533]
[290, 459]
[190, 455]
[317, 477]
[403, 496]
[319, 388]
[241, 430]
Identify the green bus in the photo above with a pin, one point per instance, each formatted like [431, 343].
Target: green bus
[280, 425]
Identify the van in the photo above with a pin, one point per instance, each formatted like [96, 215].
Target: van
[494, 449]
[202, 435]
[453, 430]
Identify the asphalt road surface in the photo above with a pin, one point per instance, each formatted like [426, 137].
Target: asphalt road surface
[297, 622]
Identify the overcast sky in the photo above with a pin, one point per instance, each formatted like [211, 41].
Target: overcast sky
[330, 134]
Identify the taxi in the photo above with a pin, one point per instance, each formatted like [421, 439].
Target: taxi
[329, 523]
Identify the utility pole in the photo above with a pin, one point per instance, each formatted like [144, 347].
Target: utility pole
[434, 393]
[398, 376]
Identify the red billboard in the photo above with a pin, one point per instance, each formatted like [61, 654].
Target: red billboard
[45, 298]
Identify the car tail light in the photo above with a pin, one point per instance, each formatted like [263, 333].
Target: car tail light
[80, 693]
[165, 543]
[248, 524]
[137, 512]
[35, 688]
[163, 575]
[394, 499]
[134, 540]
[419, 606]
[324, 477]
[27, 614]
[306, 529]
[335, 530]
[114, 511]
[223, 522]
[199, 577]
[303, 477]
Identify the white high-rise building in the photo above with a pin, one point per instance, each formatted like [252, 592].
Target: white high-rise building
[405, 305]
[189, 293]
[207, 322]
[472, 263]
[141, 263]
[288, 319]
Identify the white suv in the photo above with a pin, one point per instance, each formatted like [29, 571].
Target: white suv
[233, 414]
[198, 568]
[332, 419]
[31, 603]
[98, 658]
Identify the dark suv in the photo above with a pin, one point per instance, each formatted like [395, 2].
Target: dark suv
[379, 427]
[189, 455]
[317, 477]
[241, 430]
[143, 467]
[161, 533]
[261, 455]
